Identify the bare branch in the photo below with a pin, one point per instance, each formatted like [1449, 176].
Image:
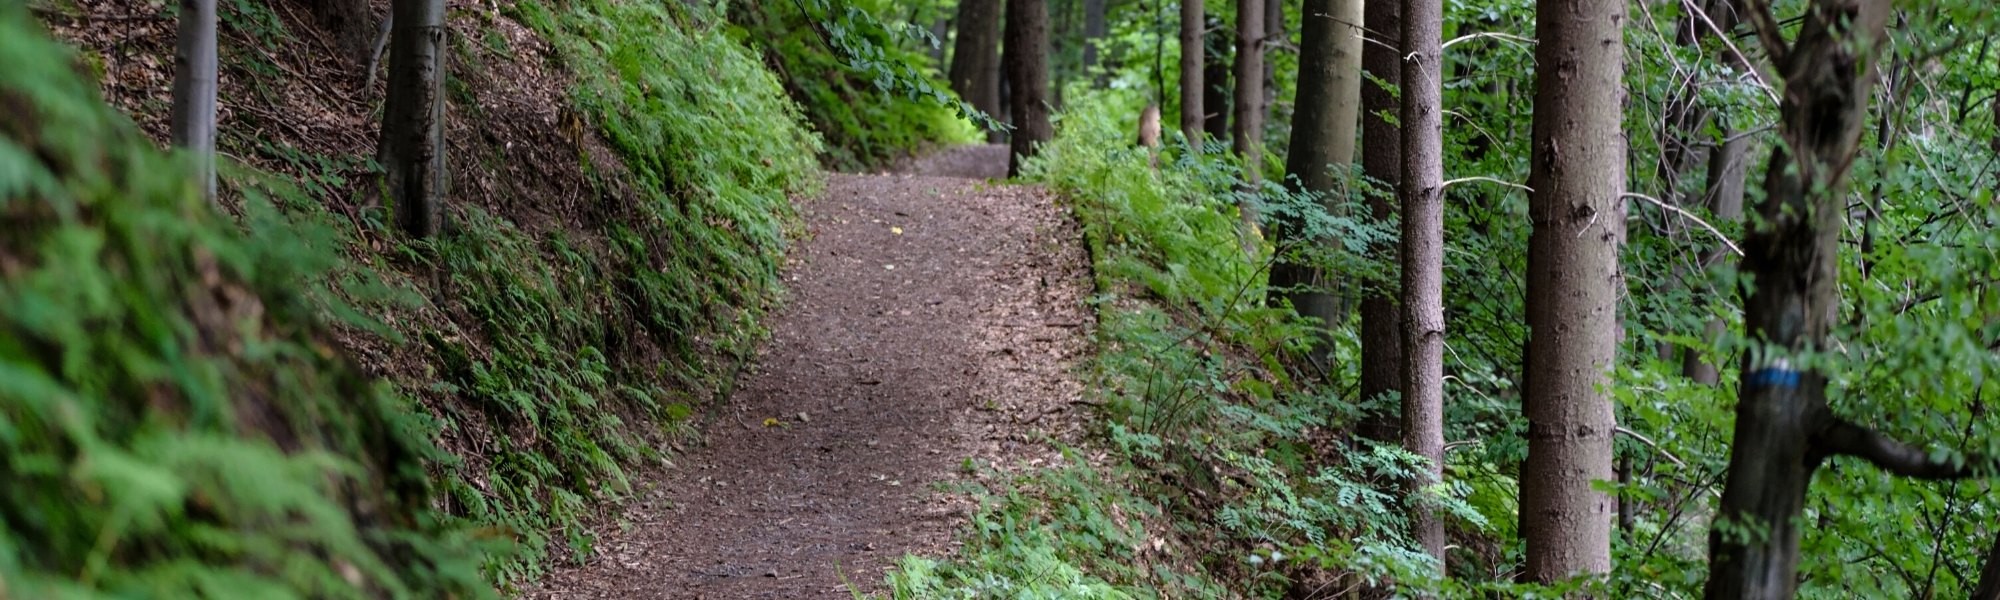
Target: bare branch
[1747, 65]
[1488, 180]
[1656, 446]
[1843, 437]
[1767, 31]
[1691, 217]
[1489, 34]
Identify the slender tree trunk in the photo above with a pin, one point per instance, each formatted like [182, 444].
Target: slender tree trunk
[1274, 25]
[1217, 98]
[1328, 104]
[192, 124]
[1192, 111]
[346, 22]
[1382, 160]
[1989, 575]
[1422, 194]
[1093, 30]
[411, 146]
[1726, 167]
[975, 59]
[1577, 172]
[1027, 59]
[940, 29]
[1247, 132]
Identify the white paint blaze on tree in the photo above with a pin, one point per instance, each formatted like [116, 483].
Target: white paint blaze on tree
[192, 125]
[411, 146]
[1577, 176]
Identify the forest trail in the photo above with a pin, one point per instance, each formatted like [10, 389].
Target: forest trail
[932, 319]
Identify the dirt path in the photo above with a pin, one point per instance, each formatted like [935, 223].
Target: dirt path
[931, 320]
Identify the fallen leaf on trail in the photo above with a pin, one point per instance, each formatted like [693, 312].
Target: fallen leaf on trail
[889, 267]
[770, 422]
[804, 419]
[896, 230]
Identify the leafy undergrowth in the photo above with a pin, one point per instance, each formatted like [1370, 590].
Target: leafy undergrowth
[173, 422]
[605, 271]
[1224, 470]
[865, 124]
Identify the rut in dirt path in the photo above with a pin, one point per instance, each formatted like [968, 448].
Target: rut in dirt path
[931, 320]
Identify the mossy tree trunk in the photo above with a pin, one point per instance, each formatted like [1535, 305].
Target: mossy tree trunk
[1577, 176]
[192, 124]
[411, 146]
[1027, 58]
[1422, 195]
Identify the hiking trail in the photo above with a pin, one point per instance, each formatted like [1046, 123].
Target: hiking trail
[932, 319]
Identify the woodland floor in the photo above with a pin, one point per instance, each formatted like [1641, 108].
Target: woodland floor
[898, 359]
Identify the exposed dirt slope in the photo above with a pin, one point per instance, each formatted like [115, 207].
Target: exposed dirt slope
[899, 357]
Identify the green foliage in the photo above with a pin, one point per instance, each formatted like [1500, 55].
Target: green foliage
[868, 86]
[173, 423]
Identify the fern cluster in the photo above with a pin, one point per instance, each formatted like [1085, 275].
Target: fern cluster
[173, 420]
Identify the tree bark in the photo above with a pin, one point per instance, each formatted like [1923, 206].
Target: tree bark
[975, 59]
[411, 146]
[1027, 60]
[1577, 171]
[347, 22]
[1422, 195]
[1217, 97]
[1093, 30]
[1247, 130]
[1192, 111]
[1328, 104]
[1726, 174]
[192, 124]
[1382, 160]
[1274, 28]
[1791, 258]
[1989, 575]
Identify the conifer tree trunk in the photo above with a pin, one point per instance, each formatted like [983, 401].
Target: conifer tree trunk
[1192, 110]
[1027, 60]
[1274, 27]
[1093, 30]
[411, 145]
[1422, 194]
[1577, 174]
[1382, 160]
[192, 124]
[1247, 130]
[1784, 429]
[1328, 104]
[1218, 77]
[975, 59]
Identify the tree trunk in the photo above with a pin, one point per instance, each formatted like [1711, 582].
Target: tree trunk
[1274, 26]
[1382, 160]
[1989, 575]
[347, 22]
[1726, 167]
[1328, 103]
[1027, 59]
[1192, 23]
[192, 124]
[1093, 30]
[940, 29]
[1577, 172]
[1422, 194]
[975, 59]
[1217, 98]
[411, 146]
[1783, 426]
[1247, 132]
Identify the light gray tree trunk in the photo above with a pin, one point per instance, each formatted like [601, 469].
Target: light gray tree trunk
[1323, 122]
[1422, 194]
[1027, 59]
[1192, 23]
[1382, 160]
[411, 147]
[192, 124]
[1727, 165]
[1577, 172]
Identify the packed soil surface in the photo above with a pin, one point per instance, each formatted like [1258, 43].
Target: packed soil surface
[933, 326]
